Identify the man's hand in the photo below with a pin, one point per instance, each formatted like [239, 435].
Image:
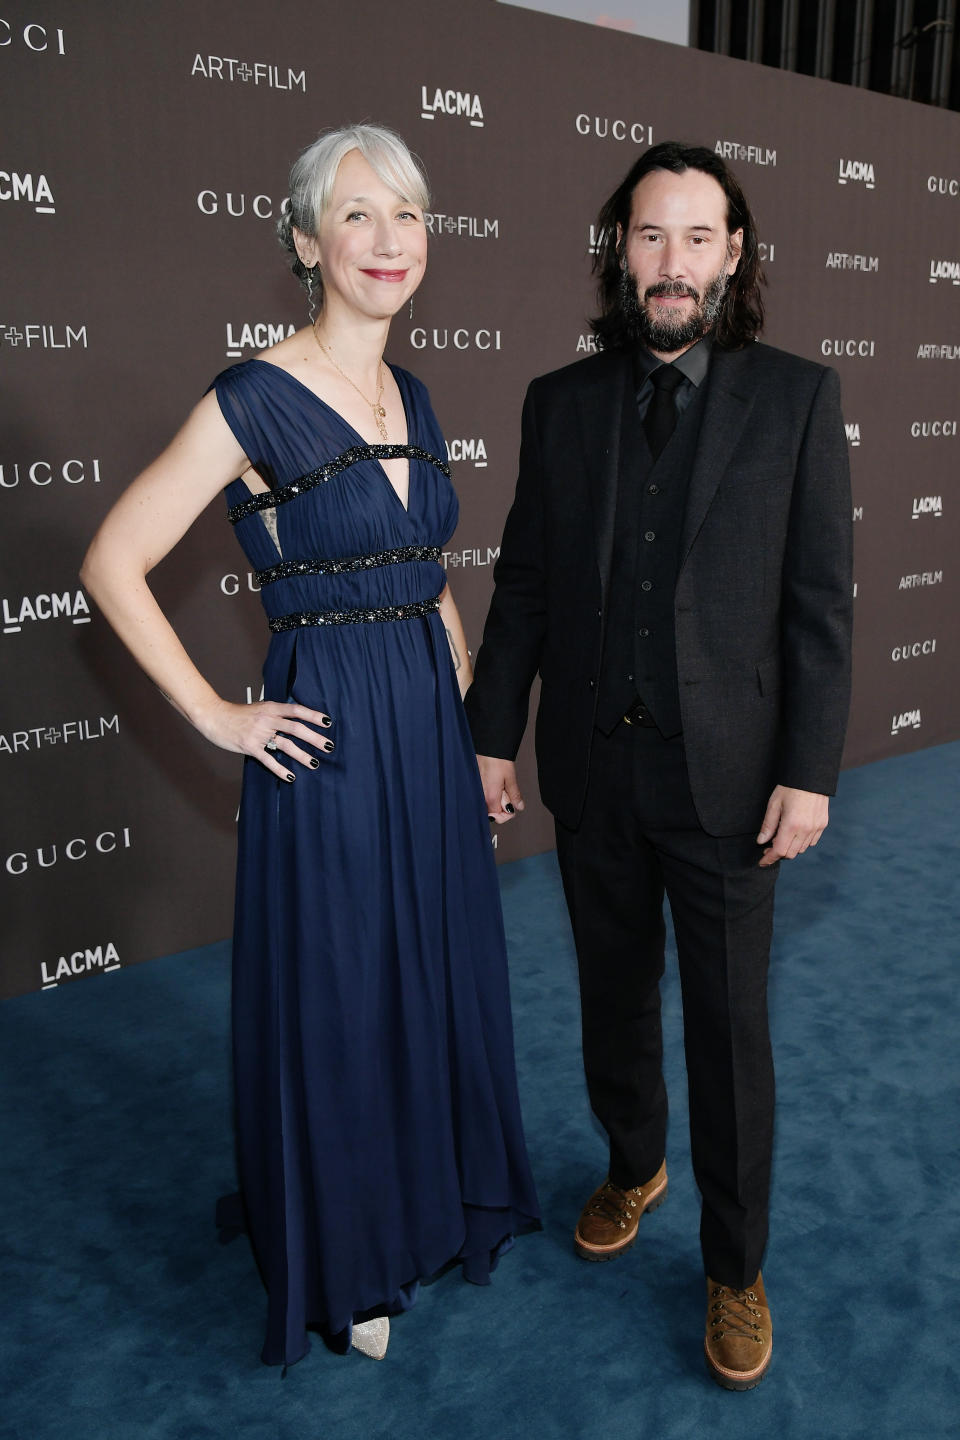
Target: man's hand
[500, 789]
[795, 820]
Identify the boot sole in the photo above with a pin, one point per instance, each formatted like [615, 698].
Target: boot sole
[599, 1253]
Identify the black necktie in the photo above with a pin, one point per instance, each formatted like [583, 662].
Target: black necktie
[661, 417]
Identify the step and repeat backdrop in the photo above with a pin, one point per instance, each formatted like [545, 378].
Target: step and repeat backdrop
[143, 156]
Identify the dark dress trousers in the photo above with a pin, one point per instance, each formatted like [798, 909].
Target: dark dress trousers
[745, 597]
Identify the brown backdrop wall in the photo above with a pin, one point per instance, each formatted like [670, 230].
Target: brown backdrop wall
[143, 163]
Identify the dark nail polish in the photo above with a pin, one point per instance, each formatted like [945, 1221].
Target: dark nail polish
[314, 764]
[289, 776]
[326, 722]
[509, 808]
[490, 818]
[328, 745]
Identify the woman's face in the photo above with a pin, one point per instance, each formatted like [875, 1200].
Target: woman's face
[371, 245]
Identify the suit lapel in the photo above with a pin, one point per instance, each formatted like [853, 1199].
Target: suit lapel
[729, 401]
[601, 408]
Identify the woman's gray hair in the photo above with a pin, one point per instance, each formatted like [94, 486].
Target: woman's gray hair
[314, 172]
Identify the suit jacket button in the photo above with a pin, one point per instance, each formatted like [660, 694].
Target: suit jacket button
[592, 684]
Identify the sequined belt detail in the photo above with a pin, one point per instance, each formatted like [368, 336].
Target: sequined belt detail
[414, 611]
[287, 569]
[354, 456]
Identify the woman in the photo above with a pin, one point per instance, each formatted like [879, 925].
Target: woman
[378, 1129]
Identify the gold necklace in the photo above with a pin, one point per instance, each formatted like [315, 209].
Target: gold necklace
[379, 414]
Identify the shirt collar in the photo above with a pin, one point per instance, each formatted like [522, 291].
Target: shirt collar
[693, 364]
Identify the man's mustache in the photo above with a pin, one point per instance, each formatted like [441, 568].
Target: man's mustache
[672, 288]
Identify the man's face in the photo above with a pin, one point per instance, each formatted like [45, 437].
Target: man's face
[678, 259]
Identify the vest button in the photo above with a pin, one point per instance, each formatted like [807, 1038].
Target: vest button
[649, 535]
[643, 632]
[646, 585]
[653, 489]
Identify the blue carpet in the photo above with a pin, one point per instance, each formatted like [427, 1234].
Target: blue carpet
[123, 1317]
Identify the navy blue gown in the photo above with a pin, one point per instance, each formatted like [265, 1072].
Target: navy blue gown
[378, 1128]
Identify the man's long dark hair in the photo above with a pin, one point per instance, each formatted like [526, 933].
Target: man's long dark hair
[741, 314]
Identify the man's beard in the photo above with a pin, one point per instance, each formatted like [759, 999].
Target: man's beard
[673, 330]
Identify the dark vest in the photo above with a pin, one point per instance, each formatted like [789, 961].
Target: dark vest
[640, 651]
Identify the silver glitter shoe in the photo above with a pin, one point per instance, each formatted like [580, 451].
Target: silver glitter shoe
[371, 1337]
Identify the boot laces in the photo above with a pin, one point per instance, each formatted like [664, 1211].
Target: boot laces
[734, 1313]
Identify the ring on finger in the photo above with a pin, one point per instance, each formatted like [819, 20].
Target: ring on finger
[271, 744]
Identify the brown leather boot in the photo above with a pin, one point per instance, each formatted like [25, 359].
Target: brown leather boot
[739, 1339]
[608, 1223]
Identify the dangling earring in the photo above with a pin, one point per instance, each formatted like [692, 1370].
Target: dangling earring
[311, 284]
[411, 307]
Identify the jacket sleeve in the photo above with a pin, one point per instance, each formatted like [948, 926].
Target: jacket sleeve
[513, 637]
[817, 601]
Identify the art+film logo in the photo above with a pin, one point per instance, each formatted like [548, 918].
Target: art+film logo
[464, 227]
[18, 611]
[454, 104]
[606, 127]
[255, 335]
[938, 352]
[742, 154]
[43, 337]
[36, 190]
[857, 172]
[841, 260]
[67, 732]
[263, 74]
[42, 474]
[916, 582]
[473, 558]
[45, 857]
[103, 958]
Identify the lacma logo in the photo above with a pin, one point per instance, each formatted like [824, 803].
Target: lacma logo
[451, 102]
[464, 450]
[906, 720]
[939, 270]
[927, 505]
[35, 189]
[255, 336]
[853, 433]
[71, 603]
[102, 957]
[857, 170]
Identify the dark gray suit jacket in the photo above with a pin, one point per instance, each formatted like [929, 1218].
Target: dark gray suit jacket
[763, 602]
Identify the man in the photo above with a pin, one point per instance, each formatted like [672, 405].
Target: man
[676, 565]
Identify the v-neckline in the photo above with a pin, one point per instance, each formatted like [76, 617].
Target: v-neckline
[255, 359]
